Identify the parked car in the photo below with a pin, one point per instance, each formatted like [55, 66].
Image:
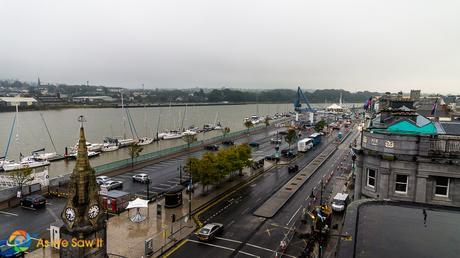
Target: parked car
[33, 201]
[113, 184]
[209, 231]
[142, 178]
[254, 144]
[211, 147]
[9, 251]
[228, 142]
[283, 132]
[102, 179]
[275, 140]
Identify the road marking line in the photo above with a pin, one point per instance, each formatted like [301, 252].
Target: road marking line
[158, 188]
[213, 245]
[122, 176]
[228, 239]
[293, 215]
[165, 185]
[175, 248]
[253, 255]
[9, 213]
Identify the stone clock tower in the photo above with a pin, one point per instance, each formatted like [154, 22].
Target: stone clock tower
[85, 226]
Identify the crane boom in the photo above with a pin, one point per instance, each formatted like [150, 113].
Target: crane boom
[298, 104]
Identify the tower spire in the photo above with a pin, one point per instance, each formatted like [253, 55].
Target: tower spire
[82, 215]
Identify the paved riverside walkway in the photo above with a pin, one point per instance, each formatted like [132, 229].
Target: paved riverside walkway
[277, 200]
[126, 238]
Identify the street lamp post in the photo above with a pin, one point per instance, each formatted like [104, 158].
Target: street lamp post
[147, 183]
[321, 194]
[190, 199]
[180, 174]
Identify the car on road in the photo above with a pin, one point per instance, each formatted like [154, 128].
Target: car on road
[33, 201]
[228, 142]
[102, 179]
[283, 132]
[288, 153]
[142, 178]
[209, 231]
[254, 144]
[272, 157]
[9, 251]
[113, 184]
[275, 140]
[211, 147]
[340, 202]
[293, 168]
[257, 163]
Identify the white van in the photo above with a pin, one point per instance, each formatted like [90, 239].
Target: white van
[340, 201]
[304, 145]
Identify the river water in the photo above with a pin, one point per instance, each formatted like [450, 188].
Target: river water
[30, 133]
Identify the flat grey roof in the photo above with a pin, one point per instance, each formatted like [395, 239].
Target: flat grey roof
[395, 229]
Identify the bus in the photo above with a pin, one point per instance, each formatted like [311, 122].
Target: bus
[316, 137]
[304, 145]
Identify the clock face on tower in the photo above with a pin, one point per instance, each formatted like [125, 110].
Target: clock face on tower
[93, 211]
[70, 214]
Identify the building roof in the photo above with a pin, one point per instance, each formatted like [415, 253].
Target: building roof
[400, 229]
[451, 128]
[17, 99]
[404, 125]
[334, 106]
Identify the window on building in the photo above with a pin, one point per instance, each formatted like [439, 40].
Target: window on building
[441, 187]
[401, 184]
[371, 173]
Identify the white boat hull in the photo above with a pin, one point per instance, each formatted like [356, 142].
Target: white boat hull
[172, 136]
[46, 156]
[25, 164]
[188, 132]
[125, 142]
[145, 141]
[108, 148]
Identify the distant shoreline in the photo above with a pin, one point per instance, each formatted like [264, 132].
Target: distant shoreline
[129, 105]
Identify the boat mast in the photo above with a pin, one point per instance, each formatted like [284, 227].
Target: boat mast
[9, 137]
[145, 112]
[48, 131]
[158, 122]
[215, 118]
[123, 122]
[257, 104]
[183, 118]
[17, 130]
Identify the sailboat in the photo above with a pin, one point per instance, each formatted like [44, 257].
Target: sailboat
[172, 134]
[3, 160]
[217, 125]
[145, 140]
[110, 144]
[38, 155]
[24, 162]
[41, 154]
[123, 142]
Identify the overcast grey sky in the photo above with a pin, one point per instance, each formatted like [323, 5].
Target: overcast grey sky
[356, 45]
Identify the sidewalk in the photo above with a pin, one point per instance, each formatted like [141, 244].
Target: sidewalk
[126, 238]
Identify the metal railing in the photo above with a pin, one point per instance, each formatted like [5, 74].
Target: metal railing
[165, 152]
[445, 145]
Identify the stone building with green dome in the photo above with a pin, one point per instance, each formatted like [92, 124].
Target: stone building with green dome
[402, 155]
